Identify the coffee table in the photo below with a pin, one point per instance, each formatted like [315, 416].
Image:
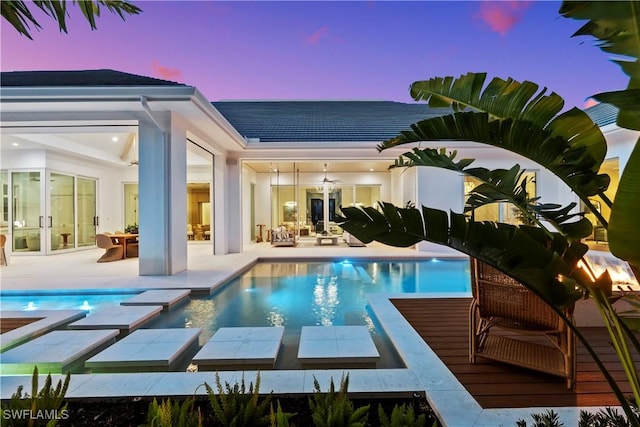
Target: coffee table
[333, 240]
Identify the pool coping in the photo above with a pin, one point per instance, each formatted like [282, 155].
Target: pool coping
[425, 372]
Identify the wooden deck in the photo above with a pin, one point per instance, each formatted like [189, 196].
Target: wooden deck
[443, 324]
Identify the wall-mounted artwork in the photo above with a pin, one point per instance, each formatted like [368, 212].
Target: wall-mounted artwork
[289, 213]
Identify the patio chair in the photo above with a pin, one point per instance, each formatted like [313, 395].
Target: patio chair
[503, 313]
[112, 252]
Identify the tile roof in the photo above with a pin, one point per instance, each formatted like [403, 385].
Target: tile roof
[78, 78]
[310, 121]
[602, 114]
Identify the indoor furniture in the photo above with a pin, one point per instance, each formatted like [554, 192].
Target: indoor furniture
[320, 239]
[112, 251]
[282, 237]
[124, 240]
[3, 255]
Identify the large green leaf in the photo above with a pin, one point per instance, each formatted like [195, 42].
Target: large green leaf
[17, 12]
[624, 225]
[497, 186]
[527, 257]
[571, 146]
[628, 103]
[501, 98]
[616, 26]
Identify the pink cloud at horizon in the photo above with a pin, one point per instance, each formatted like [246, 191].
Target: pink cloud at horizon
[166, 73]
[502, 16]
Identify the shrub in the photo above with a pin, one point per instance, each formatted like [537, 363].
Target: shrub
[280, 418]
[173, 414]
[333, 409]
[401, 416]
[238, 406]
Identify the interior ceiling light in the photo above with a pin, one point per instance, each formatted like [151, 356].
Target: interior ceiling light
[114, 139]
[15, 144]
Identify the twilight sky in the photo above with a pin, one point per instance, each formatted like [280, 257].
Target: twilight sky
[325, 49]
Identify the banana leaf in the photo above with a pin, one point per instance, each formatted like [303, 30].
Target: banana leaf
[624, 225]
[571, 146]
[500, 185]
[616, 26]
[527, 257]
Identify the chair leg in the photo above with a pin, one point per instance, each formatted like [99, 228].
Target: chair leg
[473, 342]
[3, 257]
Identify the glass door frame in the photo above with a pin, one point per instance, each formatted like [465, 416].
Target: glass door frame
[45, 219]
[51, 223]
[14, 218]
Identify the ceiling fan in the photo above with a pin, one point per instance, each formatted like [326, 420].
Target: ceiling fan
[327, 181]
[130, 148]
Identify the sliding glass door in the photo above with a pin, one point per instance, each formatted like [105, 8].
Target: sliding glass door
[87, 211]
[60, 220]
[51, 212]
[27, 208]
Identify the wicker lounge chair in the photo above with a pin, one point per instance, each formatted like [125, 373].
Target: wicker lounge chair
[503, 313]
[112, 252]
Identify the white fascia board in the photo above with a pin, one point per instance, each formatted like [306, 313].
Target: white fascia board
[10, 95]
[185, 100]
[231, 140]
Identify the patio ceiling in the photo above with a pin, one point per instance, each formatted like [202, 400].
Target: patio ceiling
[317, 165]
[115, 146]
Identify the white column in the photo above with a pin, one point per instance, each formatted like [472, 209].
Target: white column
[233, 204]
[325, 207]
[439, 189]
[162, 174]
[220, 194]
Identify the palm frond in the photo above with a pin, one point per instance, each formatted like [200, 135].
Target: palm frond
[567, 151]
[500, 99]
[17, 12]
[534, 259]
[500, 185]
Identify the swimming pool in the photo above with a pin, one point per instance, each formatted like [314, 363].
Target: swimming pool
[297, 294]
[289, 294]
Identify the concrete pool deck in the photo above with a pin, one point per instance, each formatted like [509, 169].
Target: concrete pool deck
[425, 372]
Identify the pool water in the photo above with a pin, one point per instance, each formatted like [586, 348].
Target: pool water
[295, 294]
[60, 300]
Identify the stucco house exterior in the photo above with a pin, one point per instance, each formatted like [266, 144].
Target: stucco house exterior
[85, 152]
